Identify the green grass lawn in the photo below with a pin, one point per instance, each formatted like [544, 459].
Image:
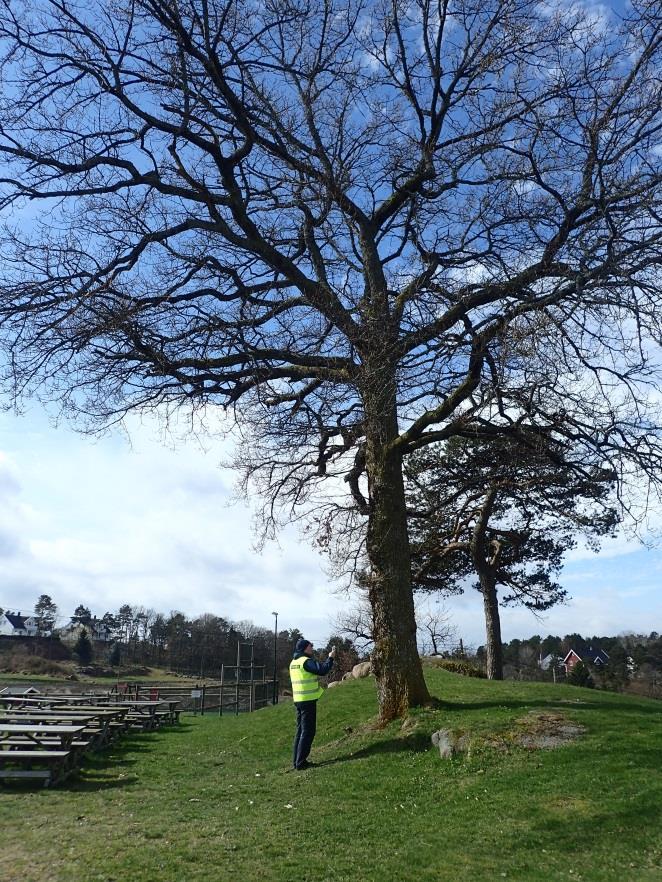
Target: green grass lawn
[212, 800]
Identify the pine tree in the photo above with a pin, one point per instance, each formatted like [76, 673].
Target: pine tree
[115, 656]
[580, 676]
[83, 649]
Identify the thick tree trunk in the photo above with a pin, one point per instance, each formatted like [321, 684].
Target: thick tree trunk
[494, 662]
[396, 663]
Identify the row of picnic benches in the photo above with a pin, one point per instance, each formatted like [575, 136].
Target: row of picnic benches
[46, 737]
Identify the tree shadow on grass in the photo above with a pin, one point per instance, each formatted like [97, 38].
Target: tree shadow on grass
[417, 742]
[170, 731]
[82, 780]
[117, 750]
[599, 823]
[100, 768]
[93, 785]
[511, 704]
[556, 703]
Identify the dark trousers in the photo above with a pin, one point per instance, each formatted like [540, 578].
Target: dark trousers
[305, 732]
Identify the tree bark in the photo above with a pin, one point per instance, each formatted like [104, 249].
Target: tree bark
[396, 662]
[494, 652]
[487, 581]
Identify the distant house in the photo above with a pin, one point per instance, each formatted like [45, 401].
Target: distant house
[588, 655]
[547, 661]
[95, 629]
[13, 624]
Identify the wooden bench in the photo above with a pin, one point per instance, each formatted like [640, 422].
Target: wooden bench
[45, 742]
[169, 711]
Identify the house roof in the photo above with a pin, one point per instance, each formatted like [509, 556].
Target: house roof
[589, 654]
[93, 624]
[15, 690]
[16, 621]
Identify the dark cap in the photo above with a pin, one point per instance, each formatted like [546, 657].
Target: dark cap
[301, 645]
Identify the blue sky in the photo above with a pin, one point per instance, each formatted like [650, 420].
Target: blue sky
[105, 522]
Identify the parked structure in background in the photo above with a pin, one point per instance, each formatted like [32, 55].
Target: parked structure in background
[13, 624]
[588, 655]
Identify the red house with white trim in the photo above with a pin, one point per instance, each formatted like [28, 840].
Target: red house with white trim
[596, 657]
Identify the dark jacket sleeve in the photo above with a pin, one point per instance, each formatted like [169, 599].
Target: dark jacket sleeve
[319, 668]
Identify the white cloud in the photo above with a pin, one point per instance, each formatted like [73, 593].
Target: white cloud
[106, 523]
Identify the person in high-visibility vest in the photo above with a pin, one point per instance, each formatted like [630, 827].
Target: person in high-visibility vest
[305, 672]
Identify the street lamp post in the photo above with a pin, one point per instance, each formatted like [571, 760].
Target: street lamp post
[275, 695]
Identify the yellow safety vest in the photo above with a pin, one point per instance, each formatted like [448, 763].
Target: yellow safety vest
[305, 686]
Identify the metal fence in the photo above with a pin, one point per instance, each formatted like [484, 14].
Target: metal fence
[241, 688]
[233, 693]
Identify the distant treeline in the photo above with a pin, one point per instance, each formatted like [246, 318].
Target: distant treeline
[197, 646]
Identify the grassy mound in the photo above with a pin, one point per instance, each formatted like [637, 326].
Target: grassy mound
[213, 800]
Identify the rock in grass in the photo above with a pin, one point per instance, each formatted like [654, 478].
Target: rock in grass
[450, 743]
[363, 669]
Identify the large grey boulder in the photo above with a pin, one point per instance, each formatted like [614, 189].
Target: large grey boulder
[363, 669]
[450, 743]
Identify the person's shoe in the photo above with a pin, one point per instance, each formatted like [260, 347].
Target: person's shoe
[306, 764]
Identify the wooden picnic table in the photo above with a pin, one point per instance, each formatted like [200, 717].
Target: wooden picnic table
[96, 722]
[153, 706]
[51, 766]
[70, 698]
[38, 751]
[113, 719]
[141, 712]
[21, 701]
[42, 700]
[173, 709]
[40, 734]
[40, 716]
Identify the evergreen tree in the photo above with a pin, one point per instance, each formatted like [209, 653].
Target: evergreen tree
[83, 649]
[503, 511]
[45, 611]
[82, 614]
[115, 656]
[581, 676]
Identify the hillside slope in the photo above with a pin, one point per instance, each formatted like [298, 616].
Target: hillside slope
[213, 800]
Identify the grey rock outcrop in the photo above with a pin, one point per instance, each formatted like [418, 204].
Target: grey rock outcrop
[450, 743]
[363, 669]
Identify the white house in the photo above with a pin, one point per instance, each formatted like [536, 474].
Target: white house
[13, 624]
[95, 629]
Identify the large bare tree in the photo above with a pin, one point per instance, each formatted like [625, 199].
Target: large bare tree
[328, 218]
